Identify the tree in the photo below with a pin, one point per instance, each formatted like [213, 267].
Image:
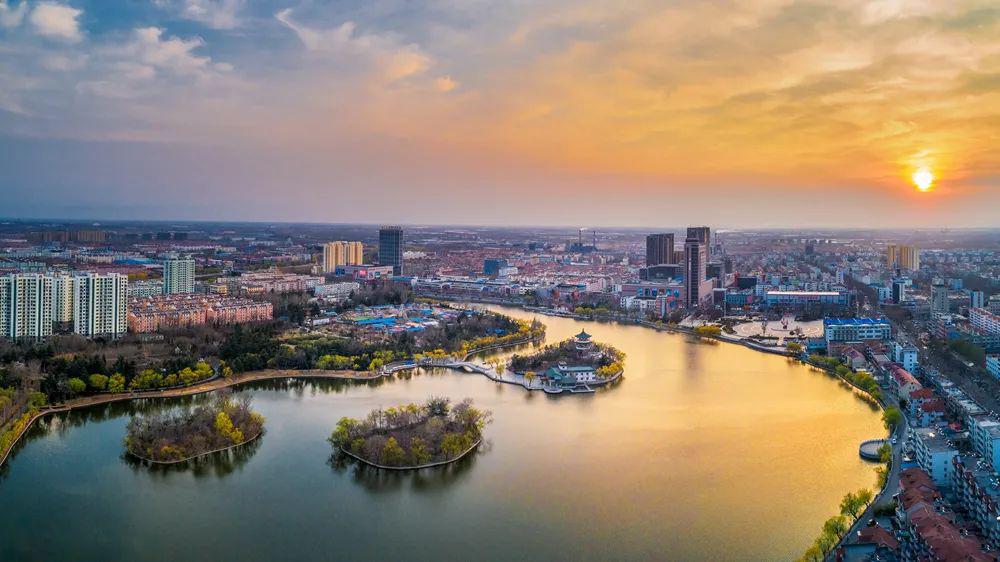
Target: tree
[891, 417]
[835, 526]
[392, 453]
[98, 381]
[76, 386]
[116, 383]
[851, 505]
[865, 496]
[794, 347]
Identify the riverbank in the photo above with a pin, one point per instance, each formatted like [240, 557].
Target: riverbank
[406, 468]
[219, 383]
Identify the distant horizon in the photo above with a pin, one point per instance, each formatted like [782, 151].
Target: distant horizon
[98, 222]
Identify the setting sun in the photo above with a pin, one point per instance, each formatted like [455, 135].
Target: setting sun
[923, 178]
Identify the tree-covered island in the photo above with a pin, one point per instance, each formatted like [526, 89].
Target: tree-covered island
[413, 435]
[227, 422]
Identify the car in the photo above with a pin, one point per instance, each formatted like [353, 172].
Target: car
[894, 440]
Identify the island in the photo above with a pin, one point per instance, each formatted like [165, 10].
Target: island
[576, 365]
[225, 423]
[413, 436]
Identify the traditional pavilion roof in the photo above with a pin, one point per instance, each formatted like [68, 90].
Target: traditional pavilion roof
[583, 335]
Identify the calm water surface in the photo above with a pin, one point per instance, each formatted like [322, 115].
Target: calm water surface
[702, 452]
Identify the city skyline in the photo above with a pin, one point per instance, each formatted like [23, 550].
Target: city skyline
[271, 111]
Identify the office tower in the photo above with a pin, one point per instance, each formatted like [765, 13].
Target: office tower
[704, 235]
[341, 253]
[659, 249]
[977, 299]
[62, 300]
[390, 248]
[902, 257]
[939, 299]
[178, 276]
[695, 260]
[25, 306]
[101, 304]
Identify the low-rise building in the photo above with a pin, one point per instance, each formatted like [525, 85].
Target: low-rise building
[150, 314]
[856, 330]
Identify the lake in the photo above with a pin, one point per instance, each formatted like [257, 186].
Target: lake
[703, 451]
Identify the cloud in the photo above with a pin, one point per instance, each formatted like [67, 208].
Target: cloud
[445, 84]
[393, 59]
[10, 15]
[217, 14]
[57, 21]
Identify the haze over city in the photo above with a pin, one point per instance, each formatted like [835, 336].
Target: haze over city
[776, 113]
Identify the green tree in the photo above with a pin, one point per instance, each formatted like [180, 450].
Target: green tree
[392, 453]
[891, 417]
[76, 386]
[98, 381]
[836, 526]
[116, 383]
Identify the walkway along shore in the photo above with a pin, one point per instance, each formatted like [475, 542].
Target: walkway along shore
[191, 458]
[218, 383]
[418, 467]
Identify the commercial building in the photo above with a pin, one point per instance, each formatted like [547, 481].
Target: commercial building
[702, 234]
[800, 300]
[902, 257]
[178, 276]
[856, 330]
[101, 304]
[366, 272]
[697, 289]
[659, 249]
[341, 252]
[993, 364]
[150, 314]
[25, 306]
[390, 248]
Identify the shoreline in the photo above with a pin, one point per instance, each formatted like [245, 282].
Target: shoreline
[405, 468]
[217, 383]
[186, 459]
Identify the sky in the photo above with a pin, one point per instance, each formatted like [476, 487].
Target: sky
[776, 113]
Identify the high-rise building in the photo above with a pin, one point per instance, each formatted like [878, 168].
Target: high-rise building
[25, 306]
[695, 260]
[898, 291]
[939, 299]
[977, 299]
[178, 276]
[101, 304]
[899, 256]
[341, 253]
[390, 248]
[62, 299]
[702, 234]
[660, 249]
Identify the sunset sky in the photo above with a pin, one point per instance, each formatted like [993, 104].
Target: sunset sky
[611, 113]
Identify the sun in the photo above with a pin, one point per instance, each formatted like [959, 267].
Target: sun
[923, 179]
